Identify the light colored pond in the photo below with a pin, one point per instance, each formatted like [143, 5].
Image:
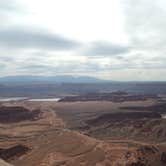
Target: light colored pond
[12, 99]
[46, 99]
[27, 99]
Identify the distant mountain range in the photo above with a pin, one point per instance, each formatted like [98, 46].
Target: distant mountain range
[26, 79]
[55, 86]
[52, 79]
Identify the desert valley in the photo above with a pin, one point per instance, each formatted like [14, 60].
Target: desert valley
[93, 129]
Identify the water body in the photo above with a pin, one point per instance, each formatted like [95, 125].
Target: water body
[12, 99]
[46, 99]
[27, 99]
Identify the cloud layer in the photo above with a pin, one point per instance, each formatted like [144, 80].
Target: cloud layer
[29, 46]
[105, 49]
[21, 39]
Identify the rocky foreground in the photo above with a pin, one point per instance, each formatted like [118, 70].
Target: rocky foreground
[44, 139]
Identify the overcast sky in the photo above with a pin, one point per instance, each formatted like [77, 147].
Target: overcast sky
[110, 39]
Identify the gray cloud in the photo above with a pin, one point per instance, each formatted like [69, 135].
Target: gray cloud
[32, 51]
[24, 38]
[62, 67]
[9, 9]
[105, 49]
[8, 5]
[2, 66]
[146, 23]
[145, 26]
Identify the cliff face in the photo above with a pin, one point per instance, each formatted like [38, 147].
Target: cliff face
[127, 116]
[70, 148]
[16, 114]
[13, 152]
[142, 126]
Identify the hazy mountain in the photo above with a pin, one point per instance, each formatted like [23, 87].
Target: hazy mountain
[56, 79]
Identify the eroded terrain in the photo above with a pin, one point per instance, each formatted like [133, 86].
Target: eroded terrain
[89, 133]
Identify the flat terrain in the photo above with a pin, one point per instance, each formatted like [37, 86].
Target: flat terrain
[89, 133]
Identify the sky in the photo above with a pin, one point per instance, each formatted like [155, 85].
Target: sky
[120, 40]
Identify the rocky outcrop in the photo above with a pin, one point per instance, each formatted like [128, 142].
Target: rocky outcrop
[145, 150]
[113, 117]
[114, 97]
[160, 108]
[17, 114]
[13, 152]
[137, 164]
[163, 157]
